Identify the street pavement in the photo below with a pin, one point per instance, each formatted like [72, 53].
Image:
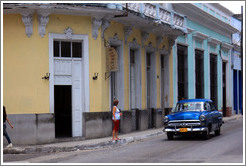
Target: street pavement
[97, 143]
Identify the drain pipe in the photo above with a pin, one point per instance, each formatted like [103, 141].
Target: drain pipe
[125, 14]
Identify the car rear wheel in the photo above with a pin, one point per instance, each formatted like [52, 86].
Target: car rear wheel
[217, 132]
[170, 136]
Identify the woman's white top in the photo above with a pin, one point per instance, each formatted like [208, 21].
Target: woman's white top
[117, 114]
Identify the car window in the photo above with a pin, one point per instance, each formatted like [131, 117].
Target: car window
[189, 106]
[207, 107]
[213, 108]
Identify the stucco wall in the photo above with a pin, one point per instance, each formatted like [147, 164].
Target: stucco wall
[31, 129]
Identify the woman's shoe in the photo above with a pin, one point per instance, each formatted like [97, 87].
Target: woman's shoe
[9, 145]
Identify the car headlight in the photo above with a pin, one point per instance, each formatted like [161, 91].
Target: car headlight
[166, 119]
[202, 118]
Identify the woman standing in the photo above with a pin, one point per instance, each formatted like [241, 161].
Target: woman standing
[116, 119]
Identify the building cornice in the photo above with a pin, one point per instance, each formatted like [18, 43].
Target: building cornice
[140, 19]
[207, 20]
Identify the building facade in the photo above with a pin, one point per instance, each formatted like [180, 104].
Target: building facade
[64, 64]
[202, 63]
[237, 68]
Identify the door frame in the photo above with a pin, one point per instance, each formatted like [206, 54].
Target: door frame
[153, 88]
[119, 73]
[166, 83]
[84, 65]
[138, 81]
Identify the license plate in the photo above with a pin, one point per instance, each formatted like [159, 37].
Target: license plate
[183, 130]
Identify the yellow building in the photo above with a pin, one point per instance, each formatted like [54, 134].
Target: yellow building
[58, 78]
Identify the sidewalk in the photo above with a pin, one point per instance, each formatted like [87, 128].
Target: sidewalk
[94, 143]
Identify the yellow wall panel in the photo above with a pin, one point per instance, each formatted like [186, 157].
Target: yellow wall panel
[25, 62]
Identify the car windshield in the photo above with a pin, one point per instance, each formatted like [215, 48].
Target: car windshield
[189, 106]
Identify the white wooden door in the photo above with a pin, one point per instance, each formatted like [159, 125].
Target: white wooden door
[76, 98]
[68, 71]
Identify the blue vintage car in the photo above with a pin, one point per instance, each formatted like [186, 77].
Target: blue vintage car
[192, 116]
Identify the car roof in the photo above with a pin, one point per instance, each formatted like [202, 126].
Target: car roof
[195, 100]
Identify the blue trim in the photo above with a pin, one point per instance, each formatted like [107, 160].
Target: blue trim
[240, 91]
[195, 100]
[235, 92]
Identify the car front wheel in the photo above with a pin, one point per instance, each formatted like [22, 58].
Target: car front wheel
[170, 136]
[205, 135]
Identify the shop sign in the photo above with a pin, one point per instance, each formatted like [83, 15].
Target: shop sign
[112, 60]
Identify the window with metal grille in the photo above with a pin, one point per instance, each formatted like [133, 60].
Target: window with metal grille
[132, 80]
[113, 82]
[68, 49]
[213, 79]
[182, 72]
[148, 70]
[132, 56]
[199, 74]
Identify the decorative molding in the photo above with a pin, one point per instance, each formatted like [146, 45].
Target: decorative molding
[144, 36]
[96, 23]
[134, 44]
[115, 40]
[199, 36]
[213, 41]
[226, 46]
[68, 33]
[224, 58]
[28, 21]
[159, 40]
[127, 32]
[171, 41]
[150, 48]
[105, 25]
[43, 19]
[190, 30]
[164, 51]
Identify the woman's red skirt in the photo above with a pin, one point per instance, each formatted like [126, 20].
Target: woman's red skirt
[116, 125]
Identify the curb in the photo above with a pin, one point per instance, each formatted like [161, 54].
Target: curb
[107, 144]
[235, 117]
[103, 144]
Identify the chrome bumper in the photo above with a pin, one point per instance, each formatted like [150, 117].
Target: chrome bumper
[188, 129]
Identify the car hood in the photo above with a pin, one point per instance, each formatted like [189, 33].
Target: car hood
[188, 115]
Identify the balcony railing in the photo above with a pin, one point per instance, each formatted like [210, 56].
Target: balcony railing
[157, 12]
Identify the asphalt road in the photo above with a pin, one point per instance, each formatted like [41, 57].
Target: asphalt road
[226, 148]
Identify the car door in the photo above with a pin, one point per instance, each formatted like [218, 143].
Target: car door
[217, 119]
[209, 114]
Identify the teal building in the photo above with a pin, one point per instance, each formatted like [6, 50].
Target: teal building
[202, 63]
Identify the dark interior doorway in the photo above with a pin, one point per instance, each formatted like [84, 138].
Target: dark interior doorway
[199, 74]
[224, 88]
[63, 110]
[182, 68]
